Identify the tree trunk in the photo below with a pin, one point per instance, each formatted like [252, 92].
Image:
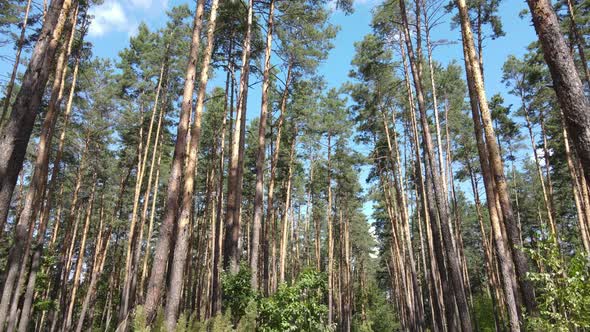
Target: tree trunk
[39, 179]
[232, 241]
[69, 235]
[566, 81]
[218, 240]
[261, 153]
[285, 222]
[16, 132]
[135, 238]
[504, 257]
[161, 253]
[578, 39]
[495, 161]
[582, 211]
[182, 236]
[439, 278]
[44, 218]
[546, 197]
[80, 260]
[439, 196]
[19, 48]
[101, 254]
[488, 254]
[126, 292]
[146, 255]
[270, 211]
[330, 236]
[434, 100]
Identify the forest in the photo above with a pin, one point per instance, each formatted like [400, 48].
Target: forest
[141, 190]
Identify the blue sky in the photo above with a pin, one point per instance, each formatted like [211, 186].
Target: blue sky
[116, 20]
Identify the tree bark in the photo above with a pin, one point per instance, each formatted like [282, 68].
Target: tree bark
[219, 224]
[135, 238]
[578, 39]
[161, 253]
[19, 48]
[232, 241]
[261, 153]
[182, 236]
[495, 161]
[285, 222]
[39, 179]
[439, 277]
[100, 258]
[80, 260]
[270, 211]
[330, 235]
[16, 133]
[54, 107]
[504, 257]
[146, 254]
[566, 81]
[582, 211]
[439, 197]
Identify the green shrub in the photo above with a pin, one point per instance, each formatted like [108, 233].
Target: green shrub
[484, 312]
[563, 290]
[237, 292]
[298, 307]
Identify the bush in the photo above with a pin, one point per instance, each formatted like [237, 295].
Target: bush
[237, 292]
[563, 290]
[296, 308]
[484, 312]
[379, 313]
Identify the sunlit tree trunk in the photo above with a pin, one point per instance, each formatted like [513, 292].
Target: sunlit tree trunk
[99, 261]
[546, 198]
[285, 221]
[330, 235]
[181, 246]
[566, 81]
[504, 257]
[161, 253]
[133, 269]
[488, 254]
[438, 274]
[16, 132]
[233, 228]
[270, 211]
[19, 49]
[427, 29]
[582, 211]
[219, 224]
[80, 260]
[261, 153]
[579, 41]
[37, 186]
[480, 106]
[71, 220]
[434, 182]
[147, 253]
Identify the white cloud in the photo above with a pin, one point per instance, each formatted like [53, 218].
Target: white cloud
[145, 4]
[370, 3]
[122, 15]
[108, 17]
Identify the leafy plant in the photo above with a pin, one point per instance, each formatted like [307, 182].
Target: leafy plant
[563, 290]
[298, 307]
[237, 292]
